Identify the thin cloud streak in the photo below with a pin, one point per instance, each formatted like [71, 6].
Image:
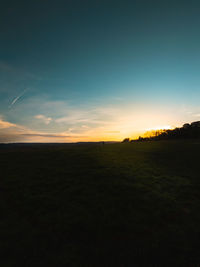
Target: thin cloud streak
[18, 97]
[52, 135]
[197, 115]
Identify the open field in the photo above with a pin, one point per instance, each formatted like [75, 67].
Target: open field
[135, 204]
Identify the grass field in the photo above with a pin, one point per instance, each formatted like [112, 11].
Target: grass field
[135, 204]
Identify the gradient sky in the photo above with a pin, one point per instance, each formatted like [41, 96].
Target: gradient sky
[97, 70]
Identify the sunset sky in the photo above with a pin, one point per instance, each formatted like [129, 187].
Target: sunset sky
[97, 70]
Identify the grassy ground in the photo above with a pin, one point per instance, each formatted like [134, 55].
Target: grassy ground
[115, 205]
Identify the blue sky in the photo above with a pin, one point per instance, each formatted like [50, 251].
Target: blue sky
[97, 70]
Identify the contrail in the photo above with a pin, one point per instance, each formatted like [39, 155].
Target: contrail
[17, 98]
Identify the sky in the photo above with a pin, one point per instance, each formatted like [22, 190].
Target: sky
[97, 70]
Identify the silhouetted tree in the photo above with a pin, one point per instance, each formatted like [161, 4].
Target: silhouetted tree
[126, 140]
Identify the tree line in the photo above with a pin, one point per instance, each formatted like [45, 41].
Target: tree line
[187, 131]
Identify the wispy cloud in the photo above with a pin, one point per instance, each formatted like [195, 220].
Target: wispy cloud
[10, 132]
[6, 124]
[43, 118]
[88, 116]
[197, 115]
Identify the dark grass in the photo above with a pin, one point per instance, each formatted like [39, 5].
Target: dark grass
[132, 204]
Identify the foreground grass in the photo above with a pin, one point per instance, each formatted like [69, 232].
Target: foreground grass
[100, 205]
